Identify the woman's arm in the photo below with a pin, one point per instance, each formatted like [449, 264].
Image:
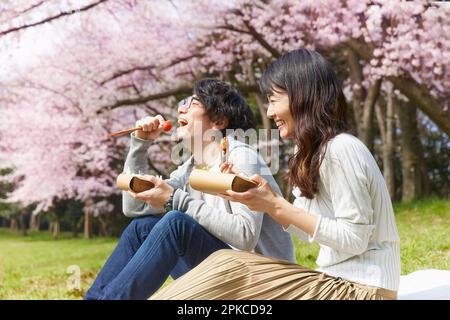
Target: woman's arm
[264, 199]
[344, 176]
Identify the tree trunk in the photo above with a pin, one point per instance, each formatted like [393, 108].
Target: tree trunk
[351, 120]
[75, 229]
[56, 229]
[368, 112]
[262, 110]
[23, 224]
[423, 180]
[258, 99]
[88, 225]
[363, 102]
[411, 148]
[103, 226]
[35, 222]
[386, 123]
[424, 174]
[88, 219]
[389, 150]
[13, 225]
[358, 90]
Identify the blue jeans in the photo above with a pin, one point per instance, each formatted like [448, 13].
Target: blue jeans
[150, 249]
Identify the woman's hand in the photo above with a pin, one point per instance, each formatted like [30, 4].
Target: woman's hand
[227, 167]
[261, 198]
[155, 197]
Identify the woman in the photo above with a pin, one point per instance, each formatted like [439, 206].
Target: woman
[341, 202]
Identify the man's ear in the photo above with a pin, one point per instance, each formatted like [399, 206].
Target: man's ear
[220, 124]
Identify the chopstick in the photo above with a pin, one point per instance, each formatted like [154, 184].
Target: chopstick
[166, 126]
[123, 132]
[224, 148]
[223, 159]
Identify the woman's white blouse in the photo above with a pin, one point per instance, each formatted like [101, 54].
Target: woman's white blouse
[356, 229]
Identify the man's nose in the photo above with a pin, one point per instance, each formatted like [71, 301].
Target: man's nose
[182, 109]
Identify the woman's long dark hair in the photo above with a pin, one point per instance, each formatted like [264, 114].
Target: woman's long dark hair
[317, 105]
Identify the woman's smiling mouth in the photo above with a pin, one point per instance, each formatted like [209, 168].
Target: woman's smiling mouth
[279, 123]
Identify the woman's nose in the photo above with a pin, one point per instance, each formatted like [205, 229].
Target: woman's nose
[270, 112]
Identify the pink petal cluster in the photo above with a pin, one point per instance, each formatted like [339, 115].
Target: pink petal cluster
[64, 84]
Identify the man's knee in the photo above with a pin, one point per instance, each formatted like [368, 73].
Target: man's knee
[177, 221]
[141, 226]
[177, 216]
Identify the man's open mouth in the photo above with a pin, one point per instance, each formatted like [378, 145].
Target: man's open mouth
[182, 122]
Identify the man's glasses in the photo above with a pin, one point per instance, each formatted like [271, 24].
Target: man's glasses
[186, 102]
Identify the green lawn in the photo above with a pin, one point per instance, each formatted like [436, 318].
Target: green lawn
[38, 267]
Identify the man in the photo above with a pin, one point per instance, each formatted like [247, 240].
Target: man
[175, 227]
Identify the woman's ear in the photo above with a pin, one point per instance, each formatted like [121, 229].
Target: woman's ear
[220, 124]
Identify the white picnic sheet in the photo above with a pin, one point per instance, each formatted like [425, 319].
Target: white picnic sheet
[428, 284]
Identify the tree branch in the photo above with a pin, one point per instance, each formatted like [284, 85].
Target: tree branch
[275, 53]
[16, 14]
[245, 89]
[143, 99]
[124, 72]
[234, 29]
[61, 14]
[432, 107]
[147, 67]
[251, 31]
[418, 94]
[361, 49]
[34, 6]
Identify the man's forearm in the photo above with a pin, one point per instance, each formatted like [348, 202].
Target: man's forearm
[241, 229]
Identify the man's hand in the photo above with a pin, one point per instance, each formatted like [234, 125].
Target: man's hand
[155, 197]
[151, 127]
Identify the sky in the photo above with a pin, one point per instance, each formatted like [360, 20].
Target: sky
[20, 50]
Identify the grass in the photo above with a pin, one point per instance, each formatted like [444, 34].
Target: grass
[38, 267]
[424, 228]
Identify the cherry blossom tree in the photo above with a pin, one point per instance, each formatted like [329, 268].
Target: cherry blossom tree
[96, 66]
[57, 111]
[405, 43]
[376, 46]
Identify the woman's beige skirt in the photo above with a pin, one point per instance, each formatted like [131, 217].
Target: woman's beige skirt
[234, 275]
